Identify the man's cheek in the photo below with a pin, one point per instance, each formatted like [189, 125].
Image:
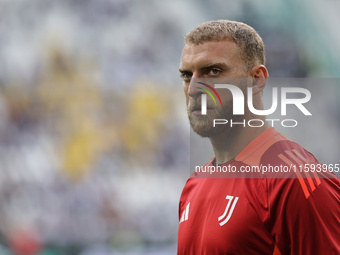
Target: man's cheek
[187, 98]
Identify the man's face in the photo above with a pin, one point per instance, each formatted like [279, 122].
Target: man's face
[213, 59]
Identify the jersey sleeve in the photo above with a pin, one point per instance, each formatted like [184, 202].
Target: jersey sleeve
[304, 209]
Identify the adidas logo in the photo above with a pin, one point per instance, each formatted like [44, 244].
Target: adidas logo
[185, 214]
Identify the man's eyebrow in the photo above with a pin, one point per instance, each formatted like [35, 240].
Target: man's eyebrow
[215, 65]
[208, 66]
[183, 70]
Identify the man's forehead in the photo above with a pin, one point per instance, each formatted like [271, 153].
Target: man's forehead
[210, 45]
[210, 51]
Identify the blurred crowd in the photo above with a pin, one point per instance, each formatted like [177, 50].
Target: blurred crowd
[73, 158]
[94, 140]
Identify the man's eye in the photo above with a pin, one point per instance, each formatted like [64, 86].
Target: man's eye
[214, 72]
[186, 76]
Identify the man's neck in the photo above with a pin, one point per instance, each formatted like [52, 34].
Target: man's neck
[229, 144]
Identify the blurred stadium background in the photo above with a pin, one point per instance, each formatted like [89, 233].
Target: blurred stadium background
[94, 140]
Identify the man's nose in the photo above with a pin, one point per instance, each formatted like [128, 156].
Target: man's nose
[194, 86]
[194, 90]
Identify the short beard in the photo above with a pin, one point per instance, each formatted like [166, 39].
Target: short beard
[203, 125]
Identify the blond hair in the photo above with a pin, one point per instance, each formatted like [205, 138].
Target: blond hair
[245, 37]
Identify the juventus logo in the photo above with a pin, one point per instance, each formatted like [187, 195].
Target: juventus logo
[225, 216]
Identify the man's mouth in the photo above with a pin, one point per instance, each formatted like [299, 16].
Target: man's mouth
[197, 110]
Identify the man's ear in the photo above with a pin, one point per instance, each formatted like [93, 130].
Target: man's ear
[260, 75]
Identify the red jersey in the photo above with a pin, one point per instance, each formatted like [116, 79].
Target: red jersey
[298, 214]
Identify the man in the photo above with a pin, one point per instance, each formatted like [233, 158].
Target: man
[264, 214]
